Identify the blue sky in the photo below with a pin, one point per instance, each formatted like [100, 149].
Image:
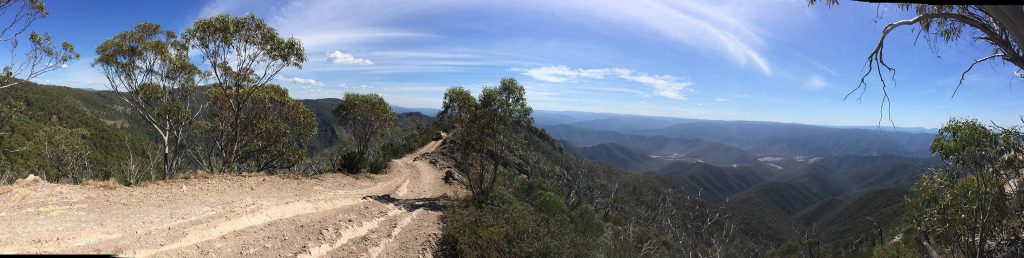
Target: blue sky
[775, 60]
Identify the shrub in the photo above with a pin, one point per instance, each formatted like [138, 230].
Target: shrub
[352, 162]
[378, 166]
[506, 225]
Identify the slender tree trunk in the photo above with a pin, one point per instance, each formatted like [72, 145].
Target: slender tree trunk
[480, 179]
[167, 151]
[494, 174]
[923, 239]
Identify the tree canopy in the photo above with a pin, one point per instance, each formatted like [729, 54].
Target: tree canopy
[272, 132]
[245, 55]
[974, 207]
[492, 125]
[149, 68]
[42, 55]
[368, 118]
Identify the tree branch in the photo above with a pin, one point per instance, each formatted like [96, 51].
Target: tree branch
[976, 61]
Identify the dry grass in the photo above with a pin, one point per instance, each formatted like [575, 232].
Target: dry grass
[252, 174]
[197, 174]
[200, 174]
[29, 180]
[106, 184]
[294, 176]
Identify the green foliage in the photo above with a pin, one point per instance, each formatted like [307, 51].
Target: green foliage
[547, 202]
[974, 206]
[245, 55]
[492, 123]
[967, 144]
[369, 119]
[351, 162]
[457, 108]
[412, 131]
[512, 225]
[8, 112]
[150, 70]
[897, 249]
[42, 56]
[243, 50]
[269, 132]
[377, 166]
[84, 122]
[67, 153]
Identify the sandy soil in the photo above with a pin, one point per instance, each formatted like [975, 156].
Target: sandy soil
[333, 215]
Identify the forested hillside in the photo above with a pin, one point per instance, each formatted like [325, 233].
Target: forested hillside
[75, 135]
[71, 135]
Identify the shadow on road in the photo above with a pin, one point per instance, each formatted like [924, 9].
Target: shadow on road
[430, 204]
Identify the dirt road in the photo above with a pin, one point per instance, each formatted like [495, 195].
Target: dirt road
[322, 216]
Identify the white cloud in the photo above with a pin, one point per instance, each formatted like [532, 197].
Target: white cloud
[731, 29]
[721, 99]
[63, 65]
[339, 57]
[301, 81]
[562, 73]
[664, 85]
[815, 82]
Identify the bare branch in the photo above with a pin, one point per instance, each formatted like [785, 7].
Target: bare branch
[976, 61]
[992, 32]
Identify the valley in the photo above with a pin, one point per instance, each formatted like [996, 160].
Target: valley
[821, 179]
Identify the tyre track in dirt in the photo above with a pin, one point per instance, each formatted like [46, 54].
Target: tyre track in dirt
[251, 215]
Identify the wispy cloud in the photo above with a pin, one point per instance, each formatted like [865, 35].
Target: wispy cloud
[338, 57]
[664, 85]
[721, 99]
[818, 65]
[696, 24]
[815, 82]
[322, 25]
[726, 27]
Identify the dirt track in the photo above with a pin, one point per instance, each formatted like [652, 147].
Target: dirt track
[322, 216]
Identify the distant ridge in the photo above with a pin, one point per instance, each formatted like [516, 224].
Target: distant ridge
[641, 122]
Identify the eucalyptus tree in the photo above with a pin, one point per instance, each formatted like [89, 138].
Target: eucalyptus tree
[244, 55]
[276, 128]
[41, 56]
[67, 152]
[149, 68]
[490, 130]
[368, 118]
[502, 116]
[975, 206]
[457, 108]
